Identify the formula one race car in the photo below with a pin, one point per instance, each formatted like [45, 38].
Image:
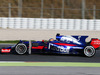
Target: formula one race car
[62, 45]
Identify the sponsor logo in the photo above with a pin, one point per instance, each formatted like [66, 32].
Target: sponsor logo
[5, 50]
[96, 42]
[69, 39]
[61, 48]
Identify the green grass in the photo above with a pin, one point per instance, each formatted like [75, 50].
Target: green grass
[16, 41]
[59, 64]
[10, 41]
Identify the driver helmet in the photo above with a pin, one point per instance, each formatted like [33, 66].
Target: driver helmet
[51, 39]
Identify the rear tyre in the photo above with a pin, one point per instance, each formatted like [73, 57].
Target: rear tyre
[21, 49]
[89, 51]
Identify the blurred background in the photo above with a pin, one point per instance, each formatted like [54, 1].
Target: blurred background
[70, 9]
[42, 19]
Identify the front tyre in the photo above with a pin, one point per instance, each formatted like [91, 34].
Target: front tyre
[89, 51]
[21, 49]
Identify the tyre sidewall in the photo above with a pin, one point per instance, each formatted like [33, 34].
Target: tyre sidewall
[21, 44]
[93, 51]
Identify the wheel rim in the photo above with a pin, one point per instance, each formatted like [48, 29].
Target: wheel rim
[89, 51]
[21, 48]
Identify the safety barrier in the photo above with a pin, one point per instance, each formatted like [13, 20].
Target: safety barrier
[50, 23]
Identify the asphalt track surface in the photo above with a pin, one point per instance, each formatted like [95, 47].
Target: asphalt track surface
[49, 71]
[48, 57]
[40, 70]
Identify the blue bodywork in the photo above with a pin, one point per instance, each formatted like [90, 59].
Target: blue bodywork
[61, 45]
[67, 44]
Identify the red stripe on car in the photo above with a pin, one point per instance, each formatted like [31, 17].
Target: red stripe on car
[39, 47]
[64, 44]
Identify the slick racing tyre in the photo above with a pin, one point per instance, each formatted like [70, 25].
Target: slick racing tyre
[89, 51]
[21, 48]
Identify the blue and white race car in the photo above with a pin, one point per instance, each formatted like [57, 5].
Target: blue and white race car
[61, 45]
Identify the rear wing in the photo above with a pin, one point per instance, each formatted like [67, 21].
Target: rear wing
[95, 42]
